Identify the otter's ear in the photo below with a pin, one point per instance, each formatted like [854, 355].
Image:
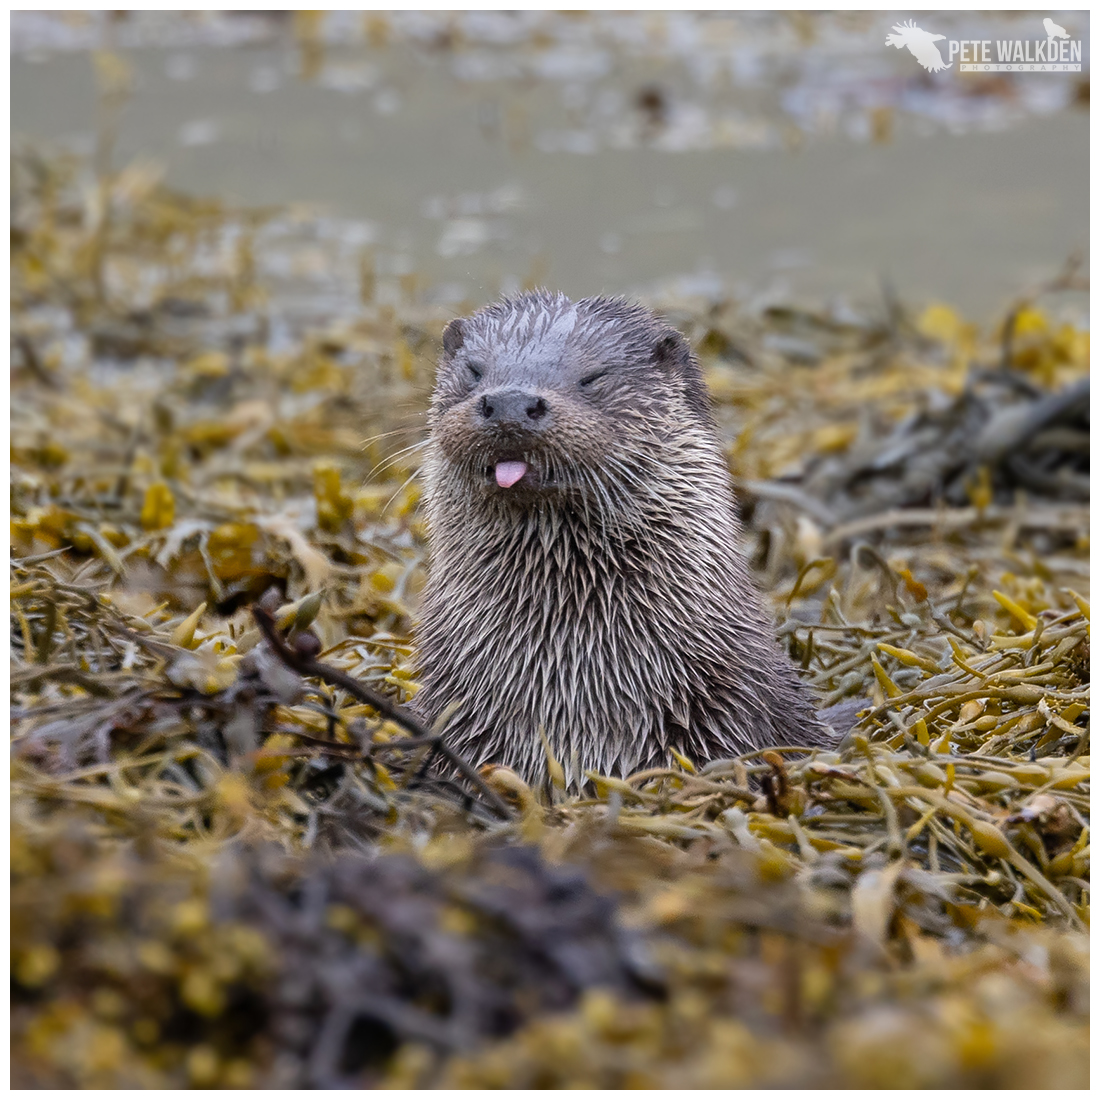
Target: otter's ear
[672, 352]
[453, 335]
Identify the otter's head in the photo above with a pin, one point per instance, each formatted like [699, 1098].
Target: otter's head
[540, 398]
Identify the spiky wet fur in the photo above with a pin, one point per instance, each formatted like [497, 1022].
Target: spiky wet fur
[613, 611]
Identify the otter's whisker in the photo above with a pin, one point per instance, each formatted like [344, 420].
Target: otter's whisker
[392, 460]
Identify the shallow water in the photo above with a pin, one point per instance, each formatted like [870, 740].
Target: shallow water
[474, 167]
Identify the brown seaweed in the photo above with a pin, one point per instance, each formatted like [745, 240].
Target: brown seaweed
[237, 863]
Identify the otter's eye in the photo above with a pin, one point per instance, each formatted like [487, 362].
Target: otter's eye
[588, 379]
[475, 370]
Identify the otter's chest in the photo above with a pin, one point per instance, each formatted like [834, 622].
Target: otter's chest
[555, 624]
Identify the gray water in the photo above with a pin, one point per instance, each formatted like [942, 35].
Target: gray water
[479, 184]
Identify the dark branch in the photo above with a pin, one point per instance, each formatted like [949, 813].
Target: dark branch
[307, 665]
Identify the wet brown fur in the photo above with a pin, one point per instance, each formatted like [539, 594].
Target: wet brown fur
[602, 600]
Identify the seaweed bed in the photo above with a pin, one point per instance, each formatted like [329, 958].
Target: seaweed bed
[232, 869]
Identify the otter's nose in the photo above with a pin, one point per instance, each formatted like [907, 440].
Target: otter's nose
[513, 408]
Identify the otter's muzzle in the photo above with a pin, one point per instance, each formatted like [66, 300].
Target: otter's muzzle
[513, 418]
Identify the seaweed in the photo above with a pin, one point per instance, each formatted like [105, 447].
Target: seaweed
[238, 861]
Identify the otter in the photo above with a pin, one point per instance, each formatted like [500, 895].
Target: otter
[586, 593]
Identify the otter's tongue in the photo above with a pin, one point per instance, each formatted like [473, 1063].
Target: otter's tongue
[508, 473]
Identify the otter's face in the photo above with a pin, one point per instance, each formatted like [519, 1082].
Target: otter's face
[539, 396]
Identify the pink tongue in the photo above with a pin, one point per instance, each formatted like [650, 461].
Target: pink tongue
[508, 473]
